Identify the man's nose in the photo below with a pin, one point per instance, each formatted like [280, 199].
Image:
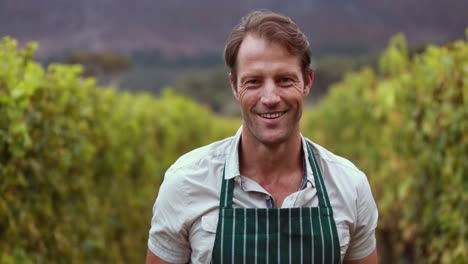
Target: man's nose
[270, 94]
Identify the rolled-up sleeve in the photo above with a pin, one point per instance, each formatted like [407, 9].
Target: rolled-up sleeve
[363, 240]
[168, 235]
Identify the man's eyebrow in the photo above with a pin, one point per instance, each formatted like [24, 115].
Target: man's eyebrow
[248, 76]
[288, 73]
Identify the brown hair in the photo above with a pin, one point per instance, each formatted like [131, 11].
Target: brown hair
[273, 27]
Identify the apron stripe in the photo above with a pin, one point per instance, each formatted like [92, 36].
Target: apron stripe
[312, 233]
[302, 238]
[233, 235]
[267, 237]
[245, 234]
[337, 254]
[333, 245]
[279, 237]
[321, 237]
[274, 233]
[222, 234]
[326, 231]
[317, 235]
[289, 222]
[256, 235]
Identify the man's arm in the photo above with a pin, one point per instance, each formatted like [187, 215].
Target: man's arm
[168, 235]
[371, 259]
[152, 259]
[362, 247]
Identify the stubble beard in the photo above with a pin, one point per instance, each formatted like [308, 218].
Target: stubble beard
[273, 136]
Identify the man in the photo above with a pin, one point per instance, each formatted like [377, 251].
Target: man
[266, 195]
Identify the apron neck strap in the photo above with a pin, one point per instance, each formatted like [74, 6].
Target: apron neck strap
[227, 186]
[320, 185]
[227, 190]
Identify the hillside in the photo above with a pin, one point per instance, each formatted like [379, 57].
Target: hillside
[191, 27]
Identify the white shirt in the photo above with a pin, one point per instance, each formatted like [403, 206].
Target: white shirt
[185, 214]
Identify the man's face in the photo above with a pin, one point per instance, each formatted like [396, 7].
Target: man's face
[270, 88]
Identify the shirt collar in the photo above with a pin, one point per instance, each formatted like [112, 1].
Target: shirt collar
[231, 168]
[310, 174]
[232, 159]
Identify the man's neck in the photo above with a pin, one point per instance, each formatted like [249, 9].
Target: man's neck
[270, 163]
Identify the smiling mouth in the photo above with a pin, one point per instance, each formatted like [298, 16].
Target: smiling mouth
[272, 115]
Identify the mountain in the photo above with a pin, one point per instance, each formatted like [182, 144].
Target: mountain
[179, 27]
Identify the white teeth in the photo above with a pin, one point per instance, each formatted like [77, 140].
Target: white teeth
[271, 116]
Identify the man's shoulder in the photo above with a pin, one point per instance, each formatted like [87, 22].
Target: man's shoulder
[338, 166]
[212, 153]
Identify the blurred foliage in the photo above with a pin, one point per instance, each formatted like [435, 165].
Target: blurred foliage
[80, 165]
[406, 126]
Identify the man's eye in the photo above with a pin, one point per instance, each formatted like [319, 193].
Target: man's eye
[285, 80]
[252, 81]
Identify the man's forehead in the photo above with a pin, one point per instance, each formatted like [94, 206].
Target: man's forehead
[256, 43]
[259, 54]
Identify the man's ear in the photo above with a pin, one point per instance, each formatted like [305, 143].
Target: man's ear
[233, 83]
[308, 81]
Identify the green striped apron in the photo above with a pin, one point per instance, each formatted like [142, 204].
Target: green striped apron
[277, 235]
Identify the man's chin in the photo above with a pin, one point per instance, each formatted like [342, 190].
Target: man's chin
[272, 139]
